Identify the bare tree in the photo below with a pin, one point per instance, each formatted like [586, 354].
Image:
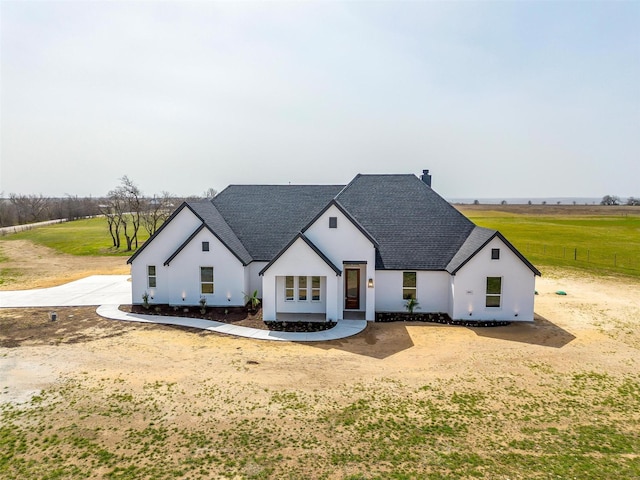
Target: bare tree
[610, 200]
[210, 193]
[111, 208]
[30, 208]
[130, 208]
[157, 210]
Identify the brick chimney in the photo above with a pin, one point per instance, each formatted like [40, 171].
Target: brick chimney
[425, 177]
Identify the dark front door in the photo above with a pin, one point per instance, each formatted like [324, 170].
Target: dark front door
[352, 289]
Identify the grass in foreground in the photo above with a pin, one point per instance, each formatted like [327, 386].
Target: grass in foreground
[597, 243]
[79, 237]
[386, 429]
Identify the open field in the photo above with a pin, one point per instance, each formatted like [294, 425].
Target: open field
[596, 239]
[79, 237]
[86, 397]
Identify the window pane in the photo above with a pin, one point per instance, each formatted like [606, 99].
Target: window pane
[302, 282]
[206, 288]
[333, 222]
[288, 291]
[409, 279]
[495, 254]
[205, 246]
[315, 282]
[494, 285]
[408, 293]
[206, 274]
[493, 301]
[152, 282]
[152, 269]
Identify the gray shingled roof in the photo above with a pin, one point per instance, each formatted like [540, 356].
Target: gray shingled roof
[477, 239]
[207, 211]
[415, 227]
[266, 217]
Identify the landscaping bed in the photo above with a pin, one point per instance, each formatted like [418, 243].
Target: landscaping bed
[241, 316]
[234, 315]
[439, 317]
[300, 326]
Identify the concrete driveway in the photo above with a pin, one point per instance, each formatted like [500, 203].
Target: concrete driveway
[94, 290]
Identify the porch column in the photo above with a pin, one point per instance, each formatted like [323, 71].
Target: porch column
[269, 297]
[370, 306]
[334, 300]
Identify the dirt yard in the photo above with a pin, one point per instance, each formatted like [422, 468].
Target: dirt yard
[553, 399]
[26, 265]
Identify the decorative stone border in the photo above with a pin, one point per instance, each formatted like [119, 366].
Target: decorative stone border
[439, 317]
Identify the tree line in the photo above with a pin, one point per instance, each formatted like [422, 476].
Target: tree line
[23, 209]
[615, 200]
[126, 209]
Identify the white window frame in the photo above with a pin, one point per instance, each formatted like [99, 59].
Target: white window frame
[317, 289]
[150, 276]
[203, 282]
[291, 289]
[303, 290]
[414, 288]
[493, 295]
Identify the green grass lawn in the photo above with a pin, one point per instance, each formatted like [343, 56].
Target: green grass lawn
[596, 243]
[80, 237]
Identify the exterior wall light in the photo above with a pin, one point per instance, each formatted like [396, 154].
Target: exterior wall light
[184, 295]
[228, 297]
[370, 283]
[152, 293]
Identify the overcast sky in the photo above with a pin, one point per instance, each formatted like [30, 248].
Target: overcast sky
[497, 99]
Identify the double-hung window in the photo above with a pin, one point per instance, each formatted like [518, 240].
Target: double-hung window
[408, 285]
[206, 280]
[151, 276]
[302, 289]
[315, 289]
[289, 289]
[494, 291]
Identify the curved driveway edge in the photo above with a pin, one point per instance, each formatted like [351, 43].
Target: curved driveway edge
[344, 328]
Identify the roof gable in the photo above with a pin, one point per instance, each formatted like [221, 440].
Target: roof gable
[335, 203]
[310, 244]
[475, 242]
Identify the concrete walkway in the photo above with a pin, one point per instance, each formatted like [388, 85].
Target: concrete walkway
[110, 291]
[344, 328]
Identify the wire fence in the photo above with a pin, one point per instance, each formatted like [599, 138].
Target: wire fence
[581, 256]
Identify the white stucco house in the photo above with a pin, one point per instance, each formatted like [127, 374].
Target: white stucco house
[341, 251]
